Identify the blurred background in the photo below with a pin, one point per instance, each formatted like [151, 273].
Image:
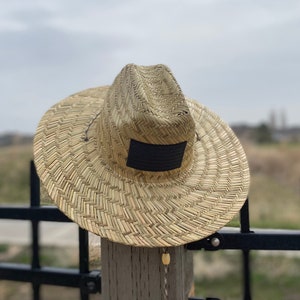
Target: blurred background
[239, 58]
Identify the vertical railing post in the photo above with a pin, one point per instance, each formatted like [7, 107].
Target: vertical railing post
[34, 186]
[35, 202]
[83, 251]
[83, 259]
[245, 228]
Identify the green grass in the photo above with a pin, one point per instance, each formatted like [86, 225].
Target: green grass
[273, 204]
[217, 274]
[14, 174]
[66, 257]
[3, 248]
[275, 185]
[273, 277]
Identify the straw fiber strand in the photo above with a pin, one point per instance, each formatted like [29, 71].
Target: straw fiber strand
[81, 147]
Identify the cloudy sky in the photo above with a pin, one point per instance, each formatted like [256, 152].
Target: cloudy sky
[240, 58]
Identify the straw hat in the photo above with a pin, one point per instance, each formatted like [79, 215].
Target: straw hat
[140, 164]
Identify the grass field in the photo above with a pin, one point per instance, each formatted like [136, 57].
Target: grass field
[275, 185]
[14, 173]
[274, 192]
[218, 274]
[274, 203]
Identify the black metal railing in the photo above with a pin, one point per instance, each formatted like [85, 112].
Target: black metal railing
[88, 282]
[82, 278]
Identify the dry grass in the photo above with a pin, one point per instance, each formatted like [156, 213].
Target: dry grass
[274, 277]
[14, 173]
[275, 185]
[281, 162]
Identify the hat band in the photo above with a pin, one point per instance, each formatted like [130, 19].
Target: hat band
[156, 158]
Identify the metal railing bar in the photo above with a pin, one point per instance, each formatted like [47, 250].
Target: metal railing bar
[244, 218]
[43, 213]
[87, 283]
[255, 240]
[35, 202]
[246, 275]
[34, 186]
[245, 228]
[83, 258]
[35, 260]
[52, 276]
[44, 275]
[83, 250]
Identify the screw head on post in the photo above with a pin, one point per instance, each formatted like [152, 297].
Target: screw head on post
[215, 242]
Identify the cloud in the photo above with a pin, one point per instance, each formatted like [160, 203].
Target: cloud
[234, 56]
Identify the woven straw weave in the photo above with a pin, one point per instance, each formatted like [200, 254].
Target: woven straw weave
[81, 148]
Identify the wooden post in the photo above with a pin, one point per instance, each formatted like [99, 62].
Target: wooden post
[135, 273]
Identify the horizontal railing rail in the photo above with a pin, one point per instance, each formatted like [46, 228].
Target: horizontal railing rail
[40, 213]
[258, 239]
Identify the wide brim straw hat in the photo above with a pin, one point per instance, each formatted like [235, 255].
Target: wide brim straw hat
[139, 163]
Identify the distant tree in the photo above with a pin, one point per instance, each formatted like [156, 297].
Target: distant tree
[273, 120]
[263, 134]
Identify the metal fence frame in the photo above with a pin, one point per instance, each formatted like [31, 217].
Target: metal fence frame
[88, 282]
[82, 278]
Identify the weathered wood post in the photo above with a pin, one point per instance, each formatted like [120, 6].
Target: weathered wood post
[137, 273]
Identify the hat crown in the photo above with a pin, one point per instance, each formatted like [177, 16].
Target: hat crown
[145, 104]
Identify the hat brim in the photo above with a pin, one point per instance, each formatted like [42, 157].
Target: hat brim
[157, 214]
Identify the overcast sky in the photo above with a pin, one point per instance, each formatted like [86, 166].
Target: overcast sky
[239, 58]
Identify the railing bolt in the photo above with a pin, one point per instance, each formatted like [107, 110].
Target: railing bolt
[215, 242]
